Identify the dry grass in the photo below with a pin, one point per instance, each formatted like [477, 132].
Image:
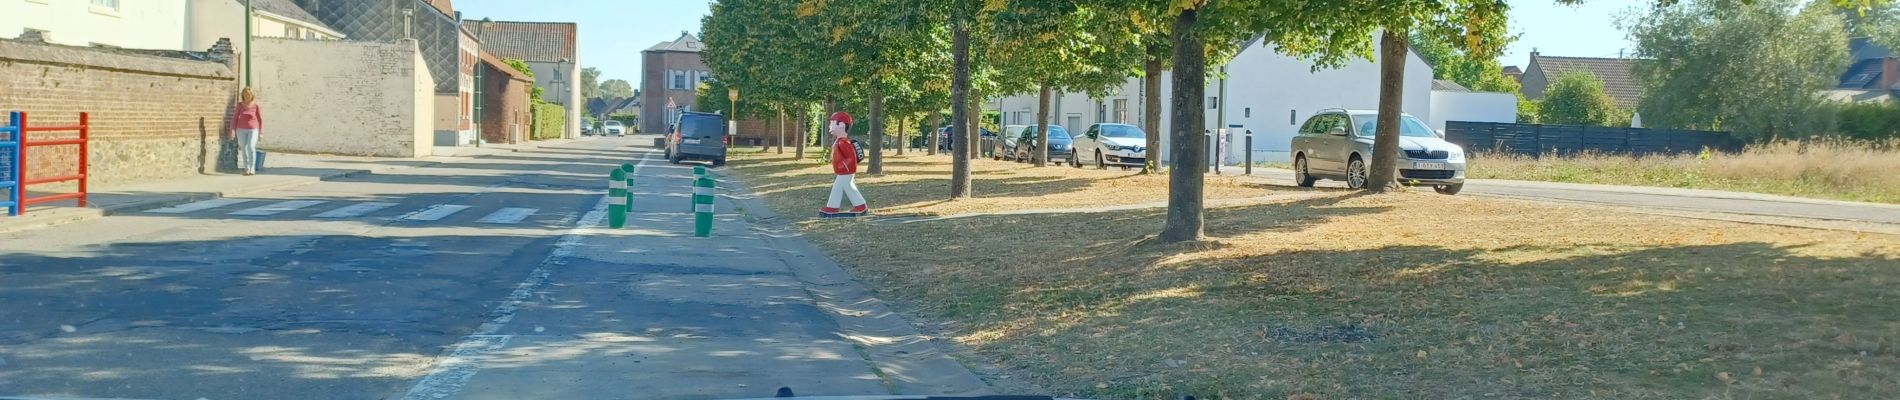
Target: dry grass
[1393, 296]
[920, 184]
[1820, 169]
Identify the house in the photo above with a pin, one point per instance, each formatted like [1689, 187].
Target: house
[549, 50]
[671, 73]
[1516, 74]
[502, 101]
[1269, 94]
[1873, 74]
[183, 25]
[451, 53]
[603, 108]
[1615, 73]
[1454, 102]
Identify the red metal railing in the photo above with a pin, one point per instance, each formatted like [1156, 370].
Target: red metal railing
[27, 142]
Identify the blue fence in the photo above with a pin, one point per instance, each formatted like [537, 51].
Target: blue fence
[10, 136]
[1535, 140]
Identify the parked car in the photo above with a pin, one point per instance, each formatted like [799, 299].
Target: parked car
[613, 128]
[943, 143]
[1121, 145]
[698, 136]
[1337, 144]
[1061, 146]
[1006, 143]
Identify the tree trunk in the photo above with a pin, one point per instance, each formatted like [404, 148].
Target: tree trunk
[974, 135]
[1186, 217]
[936, 118]
[781, 129]
[1041, 155]
[901, 143]
[1385, 144]
[804, 114]
[1151, 110]
[876, 132]
[960, 109]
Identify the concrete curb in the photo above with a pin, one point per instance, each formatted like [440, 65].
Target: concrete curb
[909, 361]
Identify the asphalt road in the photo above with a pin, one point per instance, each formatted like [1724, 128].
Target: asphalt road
[484, 279]
[1665, 199]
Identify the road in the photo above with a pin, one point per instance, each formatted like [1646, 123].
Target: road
[1702, 203]
[485, 279]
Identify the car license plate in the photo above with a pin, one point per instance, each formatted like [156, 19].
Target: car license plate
[692, 141]
[1428, 165]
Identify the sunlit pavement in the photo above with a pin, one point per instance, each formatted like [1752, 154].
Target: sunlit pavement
[486, 279]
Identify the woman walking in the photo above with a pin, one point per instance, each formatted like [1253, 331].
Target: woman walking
[247, 122]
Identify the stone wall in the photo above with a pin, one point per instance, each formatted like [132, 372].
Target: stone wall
[152, 117]
[344, 97]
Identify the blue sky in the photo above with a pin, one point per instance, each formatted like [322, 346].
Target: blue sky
[614, 31]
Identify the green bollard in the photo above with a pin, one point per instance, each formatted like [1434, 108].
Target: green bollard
[617, 199]
[628, 168]
[703, 207]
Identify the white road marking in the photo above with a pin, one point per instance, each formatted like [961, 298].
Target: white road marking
[278, 208]
[355, 210]
[199, 206]
[434, 212]
[508, 215]
[454, 370]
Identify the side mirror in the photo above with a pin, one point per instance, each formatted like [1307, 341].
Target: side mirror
[1336, 131]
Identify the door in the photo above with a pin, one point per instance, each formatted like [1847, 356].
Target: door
[1090, 142]
[1330, 146]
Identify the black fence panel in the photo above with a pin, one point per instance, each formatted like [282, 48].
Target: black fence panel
[1538, 139]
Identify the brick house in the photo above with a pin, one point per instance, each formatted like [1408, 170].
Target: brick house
[1872, 75]
[670, 75]
[549, 50]
[1618, 82]
[502, 101]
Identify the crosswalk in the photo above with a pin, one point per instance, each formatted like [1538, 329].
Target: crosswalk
[343, 210]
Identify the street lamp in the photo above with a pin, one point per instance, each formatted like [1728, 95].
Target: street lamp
[732, 123]
[560, 83]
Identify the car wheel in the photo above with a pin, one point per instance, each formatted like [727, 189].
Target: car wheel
[1073, 162]
[1356, 173]
[721, 162]
[1100, 163]
[1301, 175]
[1449, 189]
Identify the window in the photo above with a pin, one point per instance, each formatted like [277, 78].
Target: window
[678, 78]
[107, 4]
[704, 76]
[292, 32]
[1121, 110]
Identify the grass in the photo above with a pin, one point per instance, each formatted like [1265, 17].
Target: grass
[1339, 295]
[1822, 169]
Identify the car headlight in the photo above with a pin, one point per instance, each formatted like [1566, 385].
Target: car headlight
[1455, 155]
[1112, 147]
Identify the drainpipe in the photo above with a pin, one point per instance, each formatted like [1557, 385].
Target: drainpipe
[249, 15]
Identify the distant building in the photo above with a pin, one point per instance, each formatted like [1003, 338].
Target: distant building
[1873, 74]
[1614, 72]
[1516, 74]
[188, 25]
[502, 101]
[549, 49]
[450, 53]
[671, 73]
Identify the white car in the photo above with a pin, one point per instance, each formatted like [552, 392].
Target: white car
[614, 128]
[1120, 145]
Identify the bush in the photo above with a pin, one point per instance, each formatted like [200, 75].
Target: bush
[1577, 98]
[550, 121]
[1870, 121]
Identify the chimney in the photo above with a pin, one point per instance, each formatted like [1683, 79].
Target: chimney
[1890, 73]
[31, 35]
[222, 51]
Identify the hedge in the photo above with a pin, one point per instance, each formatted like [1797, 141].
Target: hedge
[550, 121]
[1870, 121]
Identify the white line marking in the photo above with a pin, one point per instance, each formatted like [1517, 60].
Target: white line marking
[434, 212]
[199, 206]
[355, 210]
[508, 215]
[278, 208]
[454, 369]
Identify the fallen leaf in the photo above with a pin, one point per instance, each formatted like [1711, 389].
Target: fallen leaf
[1723, 376]
[1421, 354]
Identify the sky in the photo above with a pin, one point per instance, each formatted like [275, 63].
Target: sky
[613, 32]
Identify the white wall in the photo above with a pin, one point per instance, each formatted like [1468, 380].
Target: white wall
[1472, 107]
[1269, 86]
[137, 24]
[544, 73]
[351, 98]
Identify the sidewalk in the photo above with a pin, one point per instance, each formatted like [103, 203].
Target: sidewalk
[282, 171]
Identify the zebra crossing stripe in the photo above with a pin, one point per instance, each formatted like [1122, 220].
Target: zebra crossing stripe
[355, 210]
[434, 212]
[508, 215]
[199, 206]
[278, 208]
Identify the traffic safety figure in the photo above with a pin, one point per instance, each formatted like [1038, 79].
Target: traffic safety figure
[844, 162]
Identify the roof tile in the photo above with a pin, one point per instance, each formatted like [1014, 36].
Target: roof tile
[526, 41]
[1614, 72]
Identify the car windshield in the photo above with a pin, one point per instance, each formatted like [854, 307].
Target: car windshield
[1122, 131]
[1408, 126]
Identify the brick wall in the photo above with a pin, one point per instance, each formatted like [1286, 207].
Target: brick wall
[505, 113]
[152, 117]
[348, 98]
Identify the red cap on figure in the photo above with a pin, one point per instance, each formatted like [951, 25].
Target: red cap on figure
[841, 116]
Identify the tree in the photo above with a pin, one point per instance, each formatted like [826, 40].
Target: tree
[590, 83]
[534, 94]
[1753, 68]
[1577, 98]
[1452, 63]
[751, 43]
[1062, 45]
[616, 89]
